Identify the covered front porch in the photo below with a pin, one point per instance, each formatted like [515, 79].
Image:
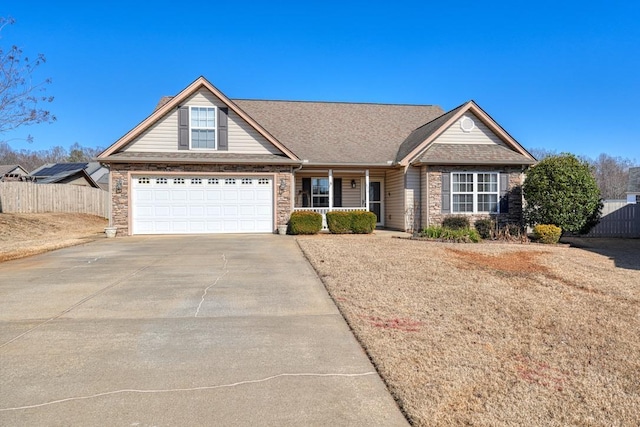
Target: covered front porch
[329, 190]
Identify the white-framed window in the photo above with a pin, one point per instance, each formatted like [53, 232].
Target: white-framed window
[213, 181]
[143, 180]
[161, 180]
[196, 180]
[246, 181]
[202, 128]
[474, 192]
[320, 192]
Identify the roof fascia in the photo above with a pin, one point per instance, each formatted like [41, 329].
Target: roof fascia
[475, 163]
[474, 108]
[175, 102]
[143, 160]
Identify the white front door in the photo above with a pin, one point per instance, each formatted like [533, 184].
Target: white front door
[376, 205]
[201, 204]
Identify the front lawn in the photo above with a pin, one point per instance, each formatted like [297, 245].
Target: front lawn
[492, 334]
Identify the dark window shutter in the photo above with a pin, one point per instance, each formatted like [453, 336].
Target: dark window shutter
[446, 192]
[337, 192]
[504, 193]
[183, 128]
[223, 134]
[306, 192]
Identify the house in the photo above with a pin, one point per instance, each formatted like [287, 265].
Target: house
[79, 173]
[633, 186]
[12, 172]
[204, 163]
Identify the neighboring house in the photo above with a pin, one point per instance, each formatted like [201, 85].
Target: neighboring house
[203, 163]
[633, 187]
[81, 173]
[12, 172]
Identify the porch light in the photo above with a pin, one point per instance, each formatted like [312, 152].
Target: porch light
[353, 183]
[283, 185]
[119, 186]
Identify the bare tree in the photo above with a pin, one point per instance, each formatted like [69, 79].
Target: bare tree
[20, 98]
[612, 174]
[541, 153]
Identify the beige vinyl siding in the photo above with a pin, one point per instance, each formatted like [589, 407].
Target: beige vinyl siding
[480, 134]
[412, 198]
[395, 198]
[163, 135]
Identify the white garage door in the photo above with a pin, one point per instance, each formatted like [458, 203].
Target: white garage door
[201, 204]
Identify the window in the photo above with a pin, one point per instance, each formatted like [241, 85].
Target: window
[144, 180]
[474, 192]
[203, 127]
[263, 181]
[213, 181]
[196, 180]
[246, 181]
[161, 180]
[320, 192]
[230, 181]
[178, 180]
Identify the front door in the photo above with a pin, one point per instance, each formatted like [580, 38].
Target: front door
[375, 201]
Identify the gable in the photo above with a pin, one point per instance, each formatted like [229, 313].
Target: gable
[162, 136]
[468, 129]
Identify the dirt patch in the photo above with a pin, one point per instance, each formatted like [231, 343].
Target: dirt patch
[29, 234]
[492, 334]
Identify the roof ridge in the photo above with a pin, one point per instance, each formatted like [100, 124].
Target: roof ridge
[336, 102]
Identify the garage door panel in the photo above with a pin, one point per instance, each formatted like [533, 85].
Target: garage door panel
[213, 204]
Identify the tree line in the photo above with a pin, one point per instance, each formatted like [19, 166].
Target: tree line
[33, 159]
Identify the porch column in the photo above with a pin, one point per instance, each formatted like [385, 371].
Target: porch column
[330, 190]
[366, 189]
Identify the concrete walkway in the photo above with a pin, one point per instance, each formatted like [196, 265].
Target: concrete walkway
[188, 330]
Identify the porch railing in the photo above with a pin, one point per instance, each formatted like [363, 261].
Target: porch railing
[323, 212]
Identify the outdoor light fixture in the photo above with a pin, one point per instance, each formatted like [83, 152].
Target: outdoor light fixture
[283, 184]
[119, 186]
[353, 183]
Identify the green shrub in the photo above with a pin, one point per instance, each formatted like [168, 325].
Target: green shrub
[363, 222]
[547, 233]
[485, 227]
[456, 222]
[358, 222]
[461, 235]
[339, 222]
[305, 222]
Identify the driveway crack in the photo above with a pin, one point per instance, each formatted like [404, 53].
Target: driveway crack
[204, 293]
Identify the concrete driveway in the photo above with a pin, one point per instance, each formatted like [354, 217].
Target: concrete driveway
[187, 330]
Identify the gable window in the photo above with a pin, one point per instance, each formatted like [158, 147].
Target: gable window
[474, 192]
[202, 128]
[320, 192]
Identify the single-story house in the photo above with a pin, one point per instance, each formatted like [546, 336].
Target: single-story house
[12, 172]
[205, 163]
[633, 185]
[75, 173]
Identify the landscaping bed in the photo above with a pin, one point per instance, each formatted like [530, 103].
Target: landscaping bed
[490, 335]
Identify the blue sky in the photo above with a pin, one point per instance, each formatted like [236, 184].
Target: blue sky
[562, 76]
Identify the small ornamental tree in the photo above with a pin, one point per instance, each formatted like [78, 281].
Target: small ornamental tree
[562, 191]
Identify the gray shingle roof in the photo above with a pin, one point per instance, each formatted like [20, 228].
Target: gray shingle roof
[334, 132]
[633, 185]
[472, 154]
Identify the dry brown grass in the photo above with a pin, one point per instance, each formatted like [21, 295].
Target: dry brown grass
[29, 234]
[493, 334]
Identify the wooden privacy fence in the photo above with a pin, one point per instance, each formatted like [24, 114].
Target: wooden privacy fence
[619, 219]
[28, 197]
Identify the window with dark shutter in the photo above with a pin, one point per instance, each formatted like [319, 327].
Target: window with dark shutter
[183, 128]
[504, 193]
[446, 193]
[337, 192]
[223, 133]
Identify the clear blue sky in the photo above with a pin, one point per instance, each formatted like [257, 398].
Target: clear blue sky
[559, 75]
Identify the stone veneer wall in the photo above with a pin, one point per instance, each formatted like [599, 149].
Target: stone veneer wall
[120, 201]
[432, 178]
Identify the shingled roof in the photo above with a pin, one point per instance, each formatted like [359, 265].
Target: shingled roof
[335, 132]
[472, 154]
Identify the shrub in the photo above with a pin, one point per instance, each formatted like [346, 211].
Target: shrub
[485, 227]
[363, 222]
[456, 222]
[561, 190]
[339, 222]
[461, 235]
[305, 222]
[358, 222]
[547, 233]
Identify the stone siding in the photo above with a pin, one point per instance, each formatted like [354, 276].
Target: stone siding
[432, 205]
[120, 200]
